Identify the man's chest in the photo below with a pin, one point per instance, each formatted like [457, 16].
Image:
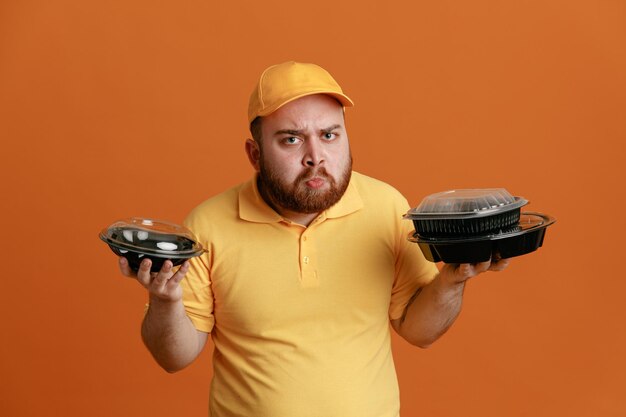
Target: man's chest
[284, 278]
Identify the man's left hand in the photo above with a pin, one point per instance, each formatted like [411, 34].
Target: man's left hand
[458, 273]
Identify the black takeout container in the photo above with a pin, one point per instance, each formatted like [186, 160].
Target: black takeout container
[138, 238]
[466, 212]
[524, 238]
[475, 225]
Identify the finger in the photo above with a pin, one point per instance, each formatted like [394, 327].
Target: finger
[464, 272]
[500, 265]
[452, 270]
[161, 279]
[143, 274]
[179, 275]
[125, 267]
[481, 267]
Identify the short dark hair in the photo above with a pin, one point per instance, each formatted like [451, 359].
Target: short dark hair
[256, 129]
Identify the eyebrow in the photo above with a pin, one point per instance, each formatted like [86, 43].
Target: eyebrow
[294, 132]
[330, 129]
[297, 132]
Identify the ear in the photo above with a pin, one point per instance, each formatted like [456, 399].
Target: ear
[254, 153]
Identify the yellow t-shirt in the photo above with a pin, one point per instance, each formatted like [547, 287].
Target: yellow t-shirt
[300, 315]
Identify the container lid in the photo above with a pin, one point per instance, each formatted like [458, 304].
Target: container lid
[152, 237]
[466, 203]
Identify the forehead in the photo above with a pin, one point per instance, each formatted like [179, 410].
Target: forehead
[314, 111]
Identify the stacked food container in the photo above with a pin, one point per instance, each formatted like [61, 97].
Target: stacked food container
[475, 225]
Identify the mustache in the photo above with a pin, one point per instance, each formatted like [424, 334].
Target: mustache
[310, 173]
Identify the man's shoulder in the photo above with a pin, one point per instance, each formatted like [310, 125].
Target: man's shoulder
[220, 206]
[221, 200]
[373, 188]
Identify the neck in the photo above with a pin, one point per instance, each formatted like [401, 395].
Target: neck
[304, 219]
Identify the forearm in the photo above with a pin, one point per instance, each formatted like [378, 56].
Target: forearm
[169, 335]
[431, 312]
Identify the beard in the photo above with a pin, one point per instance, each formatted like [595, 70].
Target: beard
[297, 196]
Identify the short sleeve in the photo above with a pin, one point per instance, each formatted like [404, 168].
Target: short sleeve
[412, 270]
[197, 294]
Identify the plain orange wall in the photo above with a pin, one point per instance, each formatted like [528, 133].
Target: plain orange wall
[122, 108]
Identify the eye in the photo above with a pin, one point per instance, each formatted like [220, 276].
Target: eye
[329, 135]
[292, 140]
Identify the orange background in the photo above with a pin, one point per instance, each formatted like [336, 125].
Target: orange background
[122, 108]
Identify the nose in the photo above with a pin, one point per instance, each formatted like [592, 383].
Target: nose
[313, 153]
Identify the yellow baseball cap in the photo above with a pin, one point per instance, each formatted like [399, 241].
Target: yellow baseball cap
[282, 83]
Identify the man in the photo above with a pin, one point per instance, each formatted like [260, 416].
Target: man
[307, 265]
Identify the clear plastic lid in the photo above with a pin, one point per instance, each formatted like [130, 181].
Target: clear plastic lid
[472, 202]
[149, 236]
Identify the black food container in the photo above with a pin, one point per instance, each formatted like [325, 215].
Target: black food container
[137, 238]
[526, 237]
[475, 225]
[468, 212]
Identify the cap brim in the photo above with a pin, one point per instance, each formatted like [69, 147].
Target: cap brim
[342, 98]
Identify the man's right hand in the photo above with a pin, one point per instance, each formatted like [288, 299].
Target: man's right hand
[162, 286]
[166, 330]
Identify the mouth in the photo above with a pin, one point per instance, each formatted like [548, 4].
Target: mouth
[315, 182]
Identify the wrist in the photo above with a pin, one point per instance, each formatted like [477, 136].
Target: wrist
[157, 304]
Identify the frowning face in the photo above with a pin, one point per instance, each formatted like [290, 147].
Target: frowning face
[304, 161]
